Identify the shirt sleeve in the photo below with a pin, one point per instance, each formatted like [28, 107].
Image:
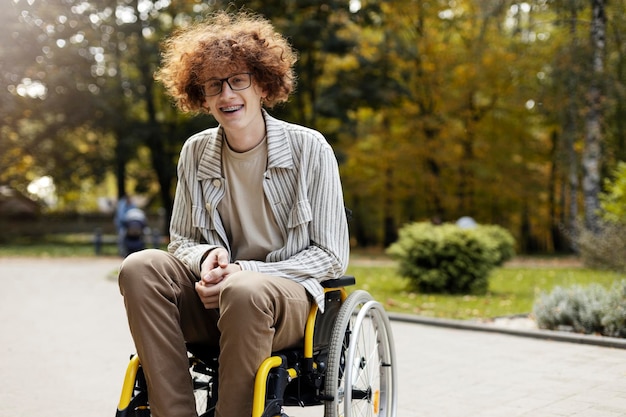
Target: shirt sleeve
[186, 240]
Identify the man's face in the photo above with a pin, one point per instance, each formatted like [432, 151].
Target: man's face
[233, 98]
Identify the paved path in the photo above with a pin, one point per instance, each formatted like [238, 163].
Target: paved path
[64, 344]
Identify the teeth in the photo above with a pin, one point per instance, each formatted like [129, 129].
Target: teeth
[231, 108]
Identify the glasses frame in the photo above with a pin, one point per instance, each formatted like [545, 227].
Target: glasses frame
[227, 80]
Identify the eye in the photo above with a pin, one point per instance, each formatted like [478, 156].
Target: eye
[212, 87]
[238, 80]
[212, 84]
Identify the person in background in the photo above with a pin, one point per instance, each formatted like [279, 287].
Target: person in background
[124, 204]
[258, 220]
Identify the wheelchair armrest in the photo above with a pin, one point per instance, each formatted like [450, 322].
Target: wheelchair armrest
[344, 281]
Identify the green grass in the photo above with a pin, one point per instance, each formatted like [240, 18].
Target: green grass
[57, 246]
[77, 245]
[512, 290]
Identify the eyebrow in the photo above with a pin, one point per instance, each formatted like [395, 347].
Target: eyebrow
[236, 72]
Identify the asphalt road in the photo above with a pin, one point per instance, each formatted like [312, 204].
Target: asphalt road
[64, 346]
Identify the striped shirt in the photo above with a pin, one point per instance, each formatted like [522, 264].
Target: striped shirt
[303, 188]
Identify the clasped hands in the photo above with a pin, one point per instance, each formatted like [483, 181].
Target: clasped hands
[214, 270]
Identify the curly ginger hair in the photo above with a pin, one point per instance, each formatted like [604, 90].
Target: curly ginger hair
[226, 42]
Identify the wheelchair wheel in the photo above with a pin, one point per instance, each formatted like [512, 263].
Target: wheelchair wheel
[203, 388]
[361, 377]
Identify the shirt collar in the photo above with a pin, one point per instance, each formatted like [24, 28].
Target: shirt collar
[279, 153]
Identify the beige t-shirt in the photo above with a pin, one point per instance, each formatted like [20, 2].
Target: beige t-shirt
[247, 216]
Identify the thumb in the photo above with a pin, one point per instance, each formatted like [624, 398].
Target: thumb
[222, 259]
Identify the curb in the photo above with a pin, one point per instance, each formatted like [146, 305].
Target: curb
[556, 336]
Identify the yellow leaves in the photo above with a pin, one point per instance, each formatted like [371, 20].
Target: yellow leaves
[13, 136]
[465, 72]
[428, 66]
[15, 164]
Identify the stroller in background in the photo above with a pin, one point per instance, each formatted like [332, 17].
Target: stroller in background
[132, 232]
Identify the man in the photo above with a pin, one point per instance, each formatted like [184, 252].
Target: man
[258, 220]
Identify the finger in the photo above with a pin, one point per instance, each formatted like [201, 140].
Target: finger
[222, 259]
[210, 301]
[205, 291]
[208, 298]
[213, 276]
[206, 277]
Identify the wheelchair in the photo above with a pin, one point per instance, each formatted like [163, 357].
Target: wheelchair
[347, 365]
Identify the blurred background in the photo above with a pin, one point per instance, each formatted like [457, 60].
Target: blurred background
[511, 113]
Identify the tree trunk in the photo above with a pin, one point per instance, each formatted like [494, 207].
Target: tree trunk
[569, 133]
[156, 134]
[593, 138]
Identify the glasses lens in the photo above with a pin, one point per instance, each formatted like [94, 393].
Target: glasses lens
[239, 81]
[213, 87]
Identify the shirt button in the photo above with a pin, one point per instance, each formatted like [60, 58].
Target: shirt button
[207, 206]
[217, 183]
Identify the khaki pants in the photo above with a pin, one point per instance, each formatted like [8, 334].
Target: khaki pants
[258, 314]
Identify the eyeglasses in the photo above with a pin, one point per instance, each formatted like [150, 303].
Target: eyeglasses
[236, 82]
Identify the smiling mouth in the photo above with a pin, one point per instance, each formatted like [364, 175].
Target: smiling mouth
[231, 109]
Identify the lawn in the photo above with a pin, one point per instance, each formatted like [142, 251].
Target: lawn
[512, 289]
[62, 246]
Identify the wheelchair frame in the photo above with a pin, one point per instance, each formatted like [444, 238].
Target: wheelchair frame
[347, 364]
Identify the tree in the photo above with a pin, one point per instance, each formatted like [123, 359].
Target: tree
[95, 63]
[436, 109]
[592, 155]
[50, 90]
[456, 119]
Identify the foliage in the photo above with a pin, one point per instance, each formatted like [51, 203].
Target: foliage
[435, 109]
[614, 319]
[613, 199]
[605, 248]
[447, 120]
[503, 240]
[449, 259]
[590, 309]
[576, 307]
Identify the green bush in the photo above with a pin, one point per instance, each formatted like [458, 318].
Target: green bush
[613, 198]
[449, 259]
[614, 319]
[591, 309]
[503, 239]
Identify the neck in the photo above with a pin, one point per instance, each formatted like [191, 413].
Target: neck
[243, 145]
[245, 139]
